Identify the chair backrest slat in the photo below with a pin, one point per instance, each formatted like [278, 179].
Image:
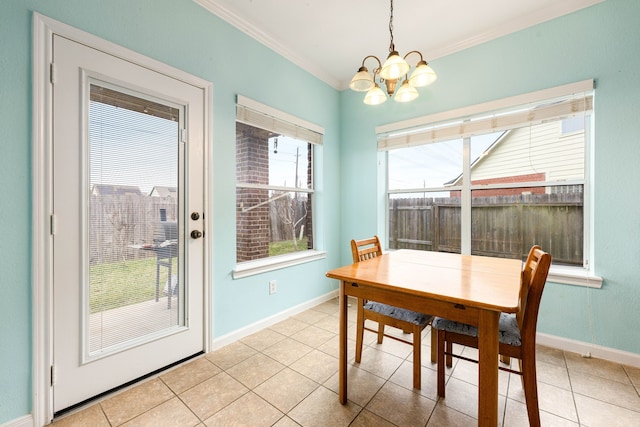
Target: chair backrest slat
[365, 249]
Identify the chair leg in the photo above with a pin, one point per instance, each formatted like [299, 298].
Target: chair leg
[380, 332]
[449, 345]
[528, 369]
[521, 376]
[417, 357]
[505, 359]
[434, 345]
[440, 369]
[359, 330]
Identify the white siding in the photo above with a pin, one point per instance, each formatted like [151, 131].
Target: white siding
[535, 149]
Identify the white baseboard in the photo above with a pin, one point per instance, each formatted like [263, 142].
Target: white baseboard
[264, 323]
[26, 421]
[566, 344]
[589, 350]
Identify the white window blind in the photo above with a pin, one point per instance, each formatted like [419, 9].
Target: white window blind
[262, 116]
[570, 101]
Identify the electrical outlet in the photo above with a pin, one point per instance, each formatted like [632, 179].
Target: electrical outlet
[272, 287]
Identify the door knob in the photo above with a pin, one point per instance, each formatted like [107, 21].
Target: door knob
[196, 234]
[195, 216]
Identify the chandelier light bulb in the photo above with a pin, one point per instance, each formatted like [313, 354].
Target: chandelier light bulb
[362, 81]
[375, 96]
[406, 93]
[423, 75]
[394, 67]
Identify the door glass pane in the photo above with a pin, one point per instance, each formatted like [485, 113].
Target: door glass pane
[134, 270]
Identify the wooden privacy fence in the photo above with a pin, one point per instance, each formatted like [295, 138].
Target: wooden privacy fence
[501, 226]
[118, 222]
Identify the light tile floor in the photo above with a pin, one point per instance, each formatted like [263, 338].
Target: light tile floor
[287, 375]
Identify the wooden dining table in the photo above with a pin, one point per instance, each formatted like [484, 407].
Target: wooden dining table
[465, 288]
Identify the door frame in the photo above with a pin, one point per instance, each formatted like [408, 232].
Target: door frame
[42, 194]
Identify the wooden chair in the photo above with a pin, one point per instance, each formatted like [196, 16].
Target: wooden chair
[409, 321]
[517, 336]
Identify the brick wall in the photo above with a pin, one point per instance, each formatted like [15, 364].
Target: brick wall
[532, 177]
[252, 157]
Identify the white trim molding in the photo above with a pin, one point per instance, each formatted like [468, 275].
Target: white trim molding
[269, 321]
[574, 276]
[548, 13]
[260, 36]
[26, 421]
[263, 265]
[589, 350]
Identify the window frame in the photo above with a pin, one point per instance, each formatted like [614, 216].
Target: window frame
[408, 133]
[262, 116]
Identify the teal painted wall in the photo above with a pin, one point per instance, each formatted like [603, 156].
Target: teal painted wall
[600, 42]
[183, 35]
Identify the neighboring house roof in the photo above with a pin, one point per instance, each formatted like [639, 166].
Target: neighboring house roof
[115, 190]
[531, 151]
[499, 139]
[161, 191]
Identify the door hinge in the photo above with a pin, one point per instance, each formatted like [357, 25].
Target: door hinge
[52, 224]
[52, 73]
[53, 375]
[183, 135]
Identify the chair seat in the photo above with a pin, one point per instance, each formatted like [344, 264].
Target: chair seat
[509, 331]
[398, 313]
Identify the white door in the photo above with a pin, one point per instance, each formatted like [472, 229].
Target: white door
[128, 192]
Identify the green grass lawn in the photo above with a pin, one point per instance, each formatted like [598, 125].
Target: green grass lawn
[122, 283]
[117, 284]
[286, 247]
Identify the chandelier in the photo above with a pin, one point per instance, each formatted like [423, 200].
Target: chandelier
[394, 70]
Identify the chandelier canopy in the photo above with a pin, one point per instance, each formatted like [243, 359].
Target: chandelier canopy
[394, 69]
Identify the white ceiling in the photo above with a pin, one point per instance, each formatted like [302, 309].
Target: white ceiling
[329, 38]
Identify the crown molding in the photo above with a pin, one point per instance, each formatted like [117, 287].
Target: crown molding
[558, 9]
[260, 36]
[542, 15]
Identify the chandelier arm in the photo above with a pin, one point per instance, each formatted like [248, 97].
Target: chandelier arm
[414, 51]
[374, 57]
[375, 70]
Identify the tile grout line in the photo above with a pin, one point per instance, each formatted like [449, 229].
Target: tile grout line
[182, 401]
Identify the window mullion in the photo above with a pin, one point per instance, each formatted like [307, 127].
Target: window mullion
[465, 200]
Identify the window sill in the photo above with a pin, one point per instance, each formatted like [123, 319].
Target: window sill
[576, 276]
[250, 268]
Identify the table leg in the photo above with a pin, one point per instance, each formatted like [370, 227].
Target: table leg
[488, 369]
[342, 376]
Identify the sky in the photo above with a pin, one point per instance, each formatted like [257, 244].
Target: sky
[433, 165]
[283, 159]
[136, 149]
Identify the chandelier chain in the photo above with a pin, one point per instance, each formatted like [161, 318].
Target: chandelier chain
[391, 45]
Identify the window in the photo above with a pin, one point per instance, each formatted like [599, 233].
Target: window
[496, 181]
[274, 182]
